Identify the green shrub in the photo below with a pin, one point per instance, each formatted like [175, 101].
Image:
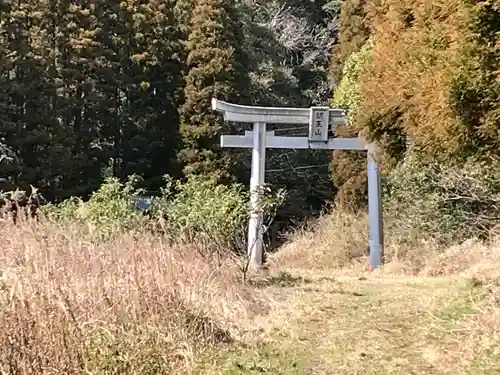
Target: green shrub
[110, 209]
[427, 199]
[348, 167]
[348, 92]
[199, 210]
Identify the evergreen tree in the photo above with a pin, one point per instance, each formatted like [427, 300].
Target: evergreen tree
[150, 142]
[27, 123]
[354, 30]
[138, 77]
[79, 100]
[214, 68]
[83, 84]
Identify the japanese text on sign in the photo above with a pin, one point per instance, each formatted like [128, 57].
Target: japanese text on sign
[318, 124]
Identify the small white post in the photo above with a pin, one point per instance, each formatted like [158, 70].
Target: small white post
[376, 231]
[256, 222]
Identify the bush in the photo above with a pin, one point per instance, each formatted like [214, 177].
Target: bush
[348, 93]
[109, 211]
[197, 210]
[348, 167]
[445, 202]
[201, 211]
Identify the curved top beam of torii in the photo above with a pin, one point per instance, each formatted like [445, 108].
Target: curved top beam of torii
[273, 115]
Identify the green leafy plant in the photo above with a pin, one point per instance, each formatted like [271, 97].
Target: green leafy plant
[197, 211]
[110, 209]
[201, 211]
[448, 203]
[348, 93]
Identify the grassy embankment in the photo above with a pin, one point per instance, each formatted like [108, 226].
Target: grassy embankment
[138, 306]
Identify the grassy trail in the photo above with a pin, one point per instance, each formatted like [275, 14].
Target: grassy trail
[364, 326]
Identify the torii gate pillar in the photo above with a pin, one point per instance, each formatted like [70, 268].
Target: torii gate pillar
[255, 242]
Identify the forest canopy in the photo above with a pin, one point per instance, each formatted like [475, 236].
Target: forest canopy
[113, 88]
[116, 88]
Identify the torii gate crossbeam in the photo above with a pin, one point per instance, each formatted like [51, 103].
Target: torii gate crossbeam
[321, 121]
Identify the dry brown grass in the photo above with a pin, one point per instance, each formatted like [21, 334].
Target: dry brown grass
[330, 242]
[427, 311]
[130, 306]
[338, 243]
[138, 306]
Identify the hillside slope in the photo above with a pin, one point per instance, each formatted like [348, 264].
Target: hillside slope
[374, 325]
[425, 312]
[136, 304]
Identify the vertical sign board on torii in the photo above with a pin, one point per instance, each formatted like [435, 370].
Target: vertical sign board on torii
[322, 122]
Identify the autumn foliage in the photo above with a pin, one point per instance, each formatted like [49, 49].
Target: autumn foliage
[433, 65]
[425, 86]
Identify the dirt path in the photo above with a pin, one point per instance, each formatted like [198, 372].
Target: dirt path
[368, 326]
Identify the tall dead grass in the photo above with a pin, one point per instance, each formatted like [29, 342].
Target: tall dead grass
[335, 245]
[333, 241]
[338, 242]
[130, 306]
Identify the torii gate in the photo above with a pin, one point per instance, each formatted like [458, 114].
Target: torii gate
[321, 120]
